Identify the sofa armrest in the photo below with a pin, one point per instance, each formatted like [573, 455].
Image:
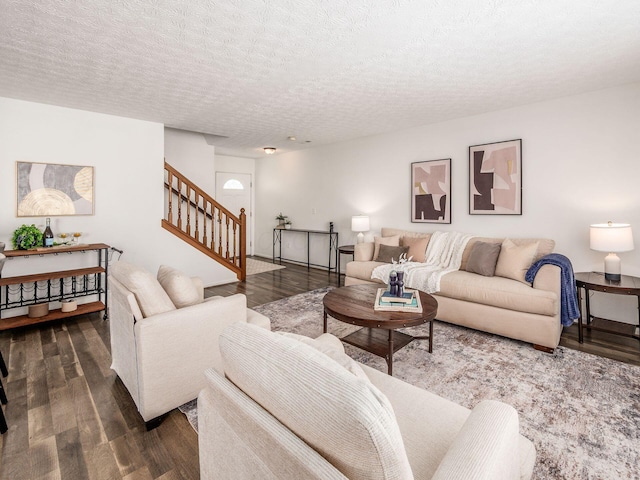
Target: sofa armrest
[487, 446]
[548, 278]
[258, 319]
[363, 252]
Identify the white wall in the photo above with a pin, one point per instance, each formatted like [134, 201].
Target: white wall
[580, 166]
[191, 155]
[128, 158]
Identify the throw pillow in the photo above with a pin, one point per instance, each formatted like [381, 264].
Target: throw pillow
[151, 297]
[342, 358]
[483, 258]
[514, 260]
[393, 241]
[417, 247]
[178, 286]
[345, 419]
[387, 253]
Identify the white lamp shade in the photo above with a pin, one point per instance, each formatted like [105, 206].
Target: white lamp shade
[360, 223]
[611, 237]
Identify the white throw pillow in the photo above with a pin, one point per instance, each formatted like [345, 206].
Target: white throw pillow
[149, 294]
[178, 286]
[344, 418]
[514, 260]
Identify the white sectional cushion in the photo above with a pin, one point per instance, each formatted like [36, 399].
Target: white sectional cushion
[149, 294]
[179, 287]
[343, 417]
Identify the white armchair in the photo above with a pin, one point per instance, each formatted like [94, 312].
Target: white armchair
[160, 352]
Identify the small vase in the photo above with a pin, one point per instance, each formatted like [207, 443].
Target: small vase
[400, 286]
[393, 283]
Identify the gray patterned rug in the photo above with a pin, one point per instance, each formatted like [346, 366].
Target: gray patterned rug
[582, 412]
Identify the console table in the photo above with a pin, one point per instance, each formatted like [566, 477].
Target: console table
[52, 286]
[333, 246]
[595, 281]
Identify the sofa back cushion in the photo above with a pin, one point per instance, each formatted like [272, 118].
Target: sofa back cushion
[483, 258]
[515, 260]
[417, 247]
[545, 247]
[149, 294]
[393, 241]
[341, 416]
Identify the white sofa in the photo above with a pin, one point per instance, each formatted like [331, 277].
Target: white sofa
[496, 304]
[160, 352]
[288, 407]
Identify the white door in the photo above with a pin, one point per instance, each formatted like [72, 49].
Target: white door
[234, 191]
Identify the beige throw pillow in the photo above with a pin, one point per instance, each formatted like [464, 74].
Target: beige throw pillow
[393, 241]
[515, 260]
[345, 419]
[483, 258]
[417, 247]
[151, 297]
[178, 286]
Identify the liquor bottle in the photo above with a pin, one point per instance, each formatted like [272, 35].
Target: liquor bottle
[48, 235]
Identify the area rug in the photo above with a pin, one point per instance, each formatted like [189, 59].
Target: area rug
[581, 411]
[258, 266]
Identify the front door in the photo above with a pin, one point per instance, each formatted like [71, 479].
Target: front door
[234, 191]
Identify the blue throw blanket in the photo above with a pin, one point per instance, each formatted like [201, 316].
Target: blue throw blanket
[569, 310]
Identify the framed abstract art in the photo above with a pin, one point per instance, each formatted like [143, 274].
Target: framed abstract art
[46, 189]
[495, 178]
[431, 191]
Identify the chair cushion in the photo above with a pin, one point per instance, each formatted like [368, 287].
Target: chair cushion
[178, 286]
[343, 417]
[149, 294]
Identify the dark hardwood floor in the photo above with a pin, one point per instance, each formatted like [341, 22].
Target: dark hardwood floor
[70, 417]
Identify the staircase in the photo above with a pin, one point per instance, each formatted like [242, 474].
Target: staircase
[199, 220]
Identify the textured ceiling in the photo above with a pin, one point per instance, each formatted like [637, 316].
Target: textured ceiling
[322, 70]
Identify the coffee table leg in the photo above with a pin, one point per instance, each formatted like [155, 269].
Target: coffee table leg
[324, 321]
[390, 357]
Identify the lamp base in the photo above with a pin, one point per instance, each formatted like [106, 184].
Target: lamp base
[360, 237]
[612, 270]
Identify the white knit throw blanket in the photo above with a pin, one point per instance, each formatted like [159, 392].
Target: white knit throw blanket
[444, 255]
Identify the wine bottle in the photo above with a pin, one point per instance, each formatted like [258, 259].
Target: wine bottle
[48, 235]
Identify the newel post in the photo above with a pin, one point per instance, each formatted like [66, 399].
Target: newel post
[243, 245]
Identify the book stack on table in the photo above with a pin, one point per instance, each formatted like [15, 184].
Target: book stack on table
[409, 302]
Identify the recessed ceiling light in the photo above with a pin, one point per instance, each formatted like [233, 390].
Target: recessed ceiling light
[292, 138]
[269, 150]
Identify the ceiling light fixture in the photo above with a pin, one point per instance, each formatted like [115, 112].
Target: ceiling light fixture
[292, 138]
[269, 150]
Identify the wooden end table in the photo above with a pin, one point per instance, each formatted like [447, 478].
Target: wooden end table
[345, 250]
[595, 281]
[354, 305]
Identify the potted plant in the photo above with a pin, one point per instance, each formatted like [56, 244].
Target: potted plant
[26, 237]
[287, 224]
[282, 219]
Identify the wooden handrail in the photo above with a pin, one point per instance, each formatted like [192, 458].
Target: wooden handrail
[218, 232]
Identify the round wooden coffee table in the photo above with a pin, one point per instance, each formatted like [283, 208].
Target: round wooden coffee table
[354, 305]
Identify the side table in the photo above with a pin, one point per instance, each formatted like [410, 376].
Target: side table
[595, 281]
[345, 250]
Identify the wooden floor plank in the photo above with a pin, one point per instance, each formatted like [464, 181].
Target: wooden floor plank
[40, 425]
[71, 459]
[43, 458]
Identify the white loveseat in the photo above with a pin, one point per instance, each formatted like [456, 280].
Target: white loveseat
[159, 351]
[504, 305]
[289, 407]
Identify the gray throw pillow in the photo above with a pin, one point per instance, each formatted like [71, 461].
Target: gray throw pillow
[386, 253]
[483, 258]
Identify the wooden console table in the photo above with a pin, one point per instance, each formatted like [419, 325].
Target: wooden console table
[25, 290]
[333, 246]
[595, 281]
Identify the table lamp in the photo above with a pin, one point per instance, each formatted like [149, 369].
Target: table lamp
[611, 237]
[360, 223]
